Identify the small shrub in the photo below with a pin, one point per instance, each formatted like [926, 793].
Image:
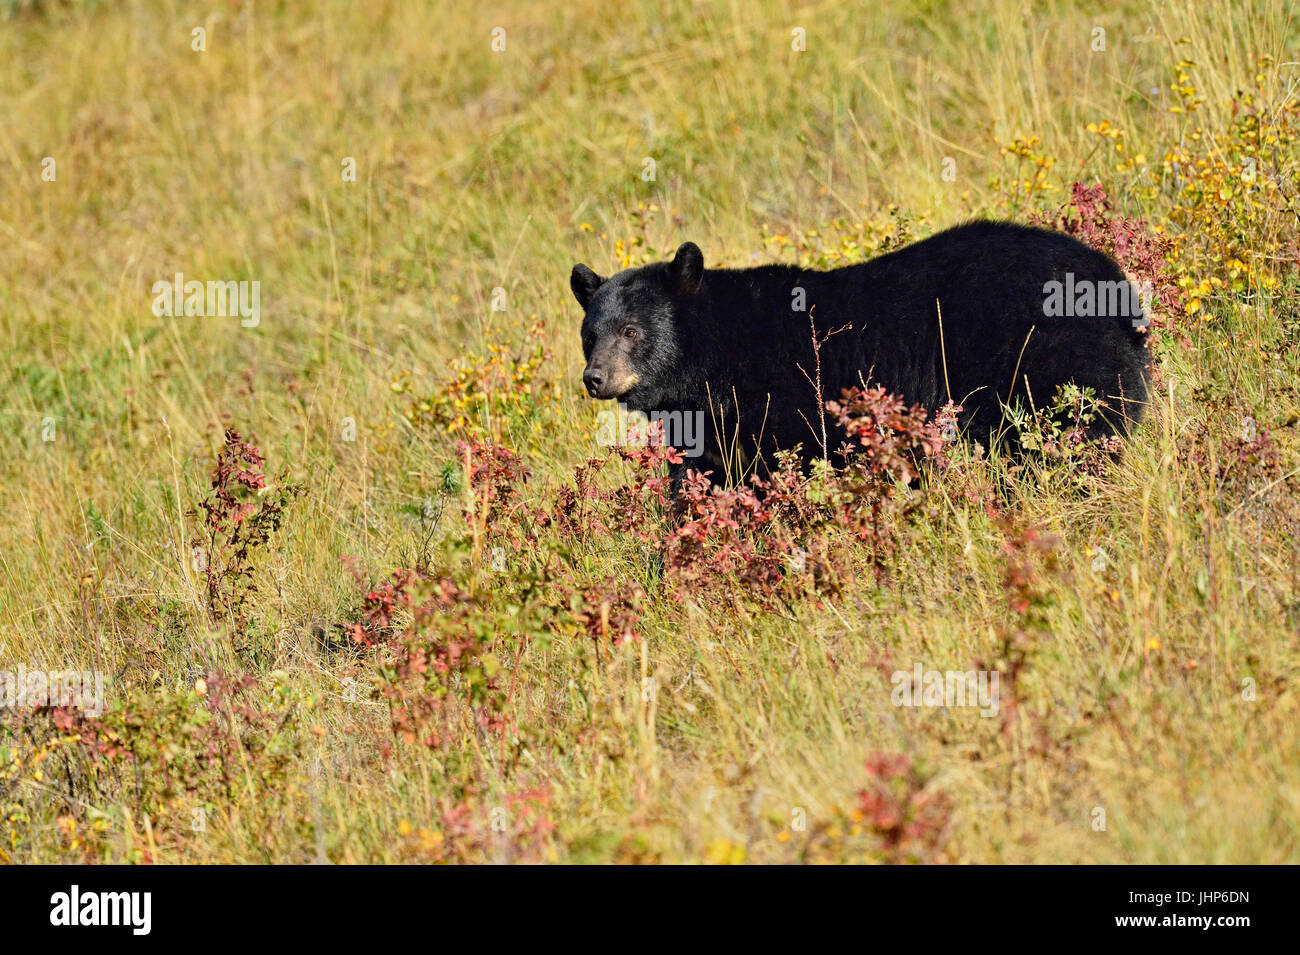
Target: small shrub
[240, 516]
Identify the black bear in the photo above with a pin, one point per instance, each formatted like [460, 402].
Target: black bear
[986, 314]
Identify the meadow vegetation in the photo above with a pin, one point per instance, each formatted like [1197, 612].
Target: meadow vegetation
[363, 583]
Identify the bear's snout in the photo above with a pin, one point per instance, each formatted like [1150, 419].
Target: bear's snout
[594, 379]
[609, 380]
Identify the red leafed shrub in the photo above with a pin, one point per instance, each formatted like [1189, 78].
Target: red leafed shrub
[769, 541]
[239, 519]
[161, 753]
[785, 535]
[1244, 463]
[766, 536]
[609, 613]
[638, 508]
[576, 513]
[518, 831]
[1031, 557]
[910, 820]
[440, 678]
[1139, 251]
[380, 607]
[584, 511]
[496, 476]
[720, 540]
[886, 437]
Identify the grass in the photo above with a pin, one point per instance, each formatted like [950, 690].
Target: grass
[1156, 684]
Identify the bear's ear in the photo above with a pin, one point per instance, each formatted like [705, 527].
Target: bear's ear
[584, 283]
[686, 270]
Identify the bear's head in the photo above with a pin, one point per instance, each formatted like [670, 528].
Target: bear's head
[631, 331]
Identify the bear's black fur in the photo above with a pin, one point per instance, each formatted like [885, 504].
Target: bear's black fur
[676, 337]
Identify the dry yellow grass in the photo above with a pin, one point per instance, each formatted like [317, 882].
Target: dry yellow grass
[479, 170]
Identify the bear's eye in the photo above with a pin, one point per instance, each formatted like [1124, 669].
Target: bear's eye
[630, 333]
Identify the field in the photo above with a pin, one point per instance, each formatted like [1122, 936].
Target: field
[356, 593]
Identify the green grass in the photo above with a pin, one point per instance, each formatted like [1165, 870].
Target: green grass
[479, 170]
